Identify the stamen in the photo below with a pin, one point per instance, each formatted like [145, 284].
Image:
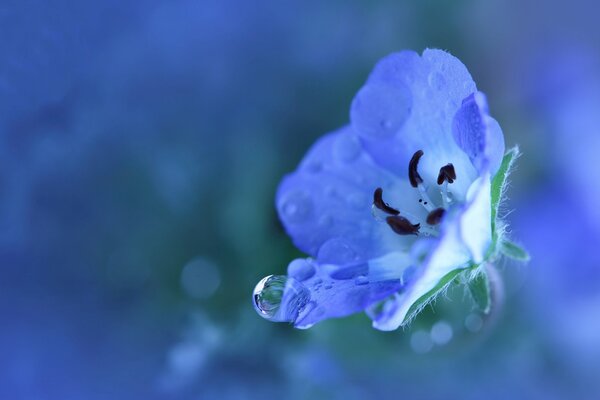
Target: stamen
[434, 217]
[413, 174]
[380, 204]
[444, 192]
[402, 226]
[426, 201]
[447, 173]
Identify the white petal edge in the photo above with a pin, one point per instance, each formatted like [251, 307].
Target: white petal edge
[475, 222]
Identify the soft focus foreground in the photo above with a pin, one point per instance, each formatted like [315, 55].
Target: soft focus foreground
[142, 145]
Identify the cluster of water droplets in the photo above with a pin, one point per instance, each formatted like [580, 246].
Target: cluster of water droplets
[297, 207]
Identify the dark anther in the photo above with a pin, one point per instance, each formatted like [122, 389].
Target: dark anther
[402, 226]
[382, 205]
[447, 173]
[434, 217]
[413, 174]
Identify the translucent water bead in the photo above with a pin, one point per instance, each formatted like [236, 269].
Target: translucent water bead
[280, 298]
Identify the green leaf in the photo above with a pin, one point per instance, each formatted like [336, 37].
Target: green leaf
[428, 297]
[514, 251]
[499, 181]
[497, 191]
[479, 288]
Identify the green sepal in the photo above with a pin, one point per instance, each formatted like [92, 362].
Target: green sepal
[514, 251]
[498, 188]
[430, 296]
[479, 287]
[500, 180]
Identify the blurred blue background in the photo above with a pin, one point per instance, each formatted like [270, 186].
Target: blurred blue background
[140, 147]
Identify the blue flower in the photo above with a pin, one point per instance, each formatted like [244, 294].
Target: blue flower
[392, 207]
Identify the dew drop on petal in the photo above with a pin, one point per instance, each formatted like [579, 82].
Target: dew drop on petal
[296, 206]
[279, 298]
[336, 251]
[308, 308]
[301, 269]
[361, 280]
[436, 80]
[383, 310]
[451, 107]
[325, 221]
[441, 333]
[350, 271]
[380, 110]
[346, 148]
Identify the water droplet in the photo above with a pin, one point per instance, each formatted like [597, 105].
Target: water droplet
[296, 206]
[326, 221]
[451, 107]
[350, 271]
[382, 311]
[436, 80]
[301, 269]
[385, 123]
[279, 298]
[428, 93]
[306, 310]
[336, 251]
[420, 342]
[307, 326]
[346, 147]
[361, 280]
[380, 109]
[441, 333]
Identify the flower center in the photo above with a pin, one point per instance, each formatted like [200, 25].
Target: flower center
[400, 222]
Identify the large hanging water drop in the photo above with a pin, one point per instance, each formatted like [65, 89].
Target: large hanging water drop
[279, 298]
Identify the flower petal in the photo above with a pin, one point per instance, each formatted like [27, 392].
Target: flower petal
[475, 221]
[408, 104]
[338, 291]
[478, 134]
[466, 236]
[325, 205]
